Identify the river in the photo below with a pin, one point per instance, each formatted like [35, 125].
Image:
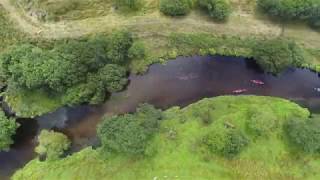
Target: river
[178, 83]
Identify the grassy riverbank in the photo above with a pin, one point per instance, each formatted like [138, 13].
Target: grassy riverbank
[176, 151]
[30, 103]
[159, 47]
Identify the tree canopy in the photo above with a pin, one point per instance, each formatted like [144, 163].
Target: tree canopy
[305, 134]
[293, 9]
[80, 70]
[276, 55]
[8, 127]
[175, 7]
[217, 9]
[129, 133]
[52, 144]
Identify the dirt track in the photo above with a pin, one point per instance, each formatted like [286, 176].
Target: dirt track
[241, 23]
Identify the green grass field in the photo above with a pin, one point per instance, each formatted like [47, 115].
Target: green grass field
[175, 153]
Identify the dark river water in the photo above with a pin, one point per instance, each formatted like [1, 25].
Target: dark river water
[179, 82]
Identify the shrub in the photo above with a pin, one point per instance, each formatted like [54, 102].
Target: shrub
[262, 122]
[304, 134]
[225, 141]
[118, 47]
[217, 9]
[129, 133]
[8, 127]
[52, 144]
[175, 7]
[137, 51]
[276, 55]
[292, 9]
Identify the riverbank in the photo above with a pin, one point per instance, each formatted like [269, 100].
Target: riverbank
[176, 152]
[33, 103]
[160, 47]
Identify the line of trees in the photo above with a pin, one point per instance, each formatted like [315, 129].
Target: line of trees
[81, 71]
[308, 10]
[217, 9]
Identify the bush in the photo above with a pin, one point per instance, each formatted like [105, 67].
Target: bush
[175, 7]
[225, 141]
[276, 55]
[118, 47]
[8, 127]
[304, 134]
[217, 9]
[137, 51]
[129, 133]
[292, 9]
[52, 144]
[262, 122]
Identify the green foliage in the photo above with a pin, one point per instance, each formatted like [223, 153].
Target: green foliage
[276, 55]
[261, 122]
[225, 141]
[8, 127]
[130, 4]
[31, 103]
[52, 144]
[129, 133]
[175, 7]
[113, 77]
[177, 154]
[137, 51]
[292, 9]
[217, 9]
[118, 47]
[305, 134]
[73, 71]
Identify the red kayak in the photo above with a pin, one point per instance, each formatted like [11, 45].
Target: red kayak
[258, 82]
[239, 91]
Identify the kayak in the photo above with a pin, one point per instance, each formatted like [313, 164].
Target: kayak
[239, 91]
[258, 82]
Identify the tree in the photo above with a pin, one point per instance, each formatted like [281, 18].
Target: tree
[304, 134]
[8, 127]
[81, 71]
[119, 44]
[292, 9]
[52, 144]
[217, 9]
[275, 55]
[137, 51]
[175, 7]
[129, 133]
[113, 77]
